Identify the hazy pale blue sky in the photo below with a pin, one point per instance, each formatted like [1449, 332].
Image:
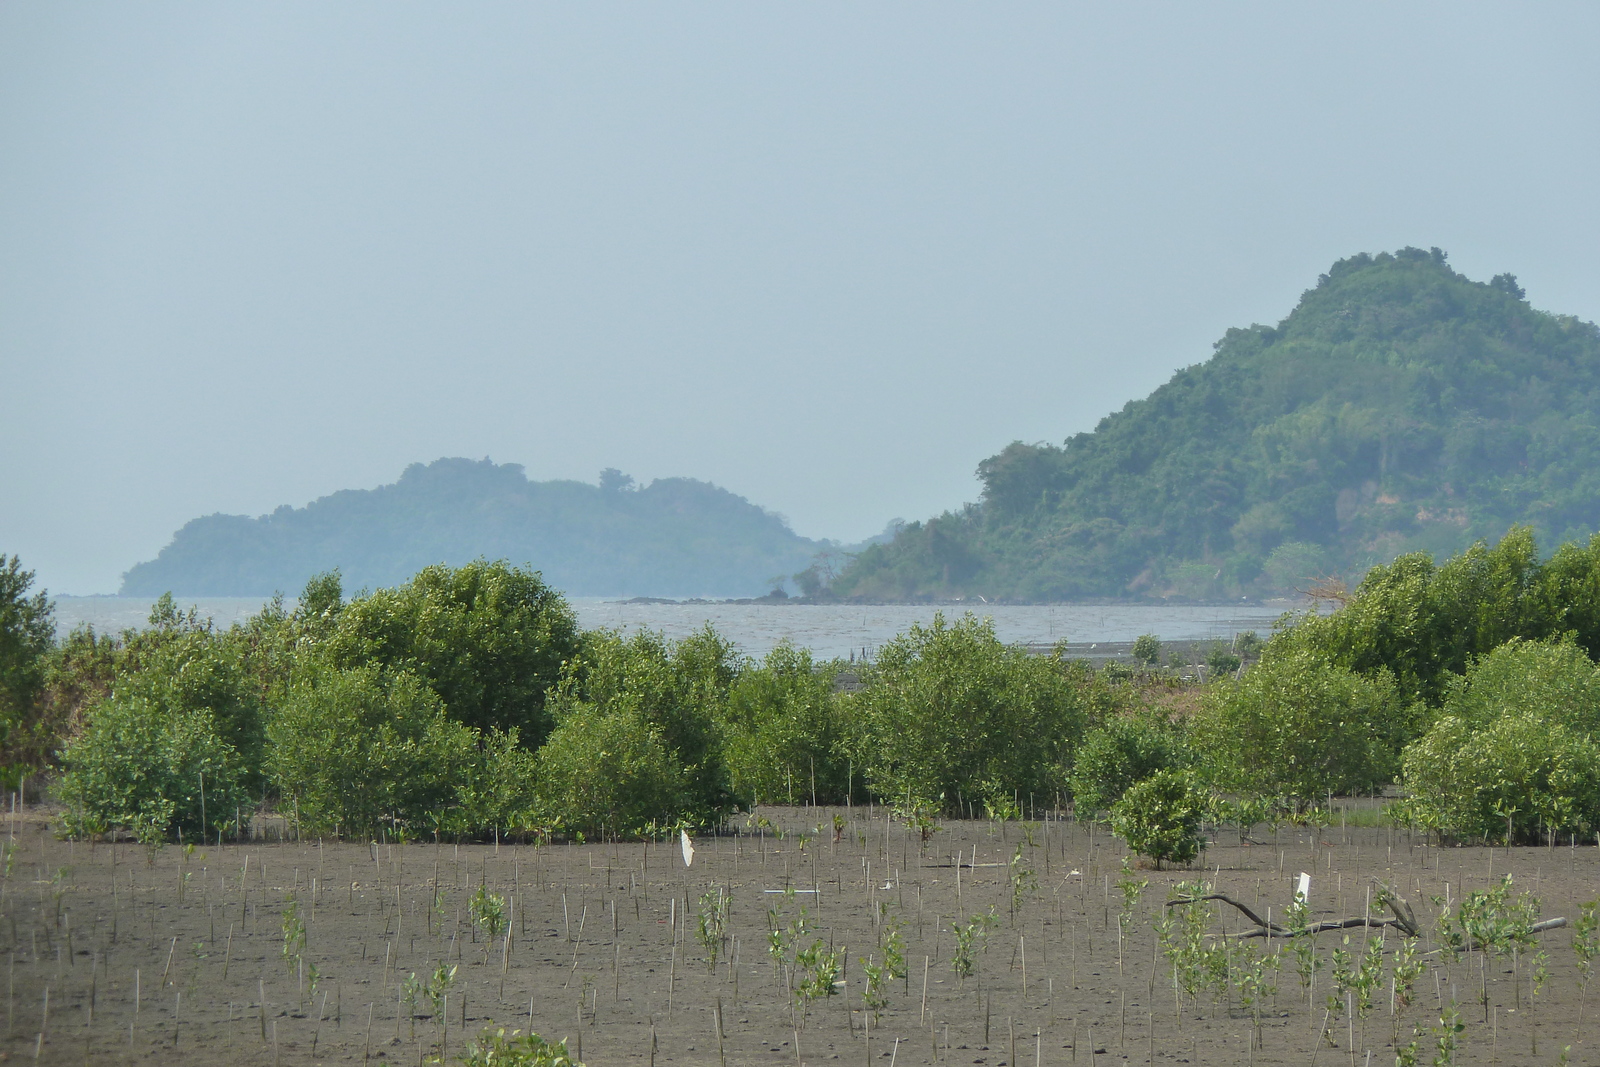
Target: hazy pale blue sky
[828, 255]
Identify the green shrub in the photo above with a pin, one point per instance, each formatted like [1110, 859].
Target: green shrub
[1146, 650]
[1556, 682]
[497, 791]
[359, 749]
[610, 773]
[497, 1048]
[489, 638]
[27, 631]
[1160, 817]
[1298, 726]
[950, 712]
[138, 766]
[1520, 774]
[783, 732]
[1124, 750]
[679, 691]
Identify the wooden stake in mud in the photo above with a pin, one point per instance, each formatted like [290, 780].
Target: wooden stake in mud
[922, 1016]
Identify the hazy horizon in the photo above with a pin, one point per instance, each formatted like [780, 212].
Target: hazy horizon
[826, 258]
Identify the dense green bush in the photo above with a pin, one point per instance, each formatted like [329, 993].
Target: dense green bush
[1146, 650]
[1425, 622]
[612, 773]
[1122, 751]
[1514, 753]
[1300, 727]
[489, 638]
[783, 732]
[185, 664]
[497, 792]
[1160, 817]
[678, 690]
[951, 713]
[361, 749]
[27, 631]
[1554, 681]
[154, 769]
[1511, 780]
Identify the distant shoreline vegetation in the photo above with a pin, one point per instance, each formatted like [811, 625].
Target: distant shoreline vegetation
[671, 537]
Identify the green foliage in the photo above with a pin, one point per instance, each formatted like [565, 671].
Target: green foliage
[489, 638]
[1554, 681]
[1488, 919]
[499, 1049]
[496, 791]
[1124, 750]
[1424, 622]
[1160, 817]
[359, 749]
[950, 710]
[609, 773]
[139, 765]
[711, 924]
[1146, 650]
[27, 631]
[1507, 781]
[670, 697]
[784, 732]
[1399, 407]
[1296, 725]
[970, 937]
[488, 912]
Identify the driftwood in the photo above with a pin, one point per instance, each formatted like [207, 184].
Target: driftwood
[1401, 917]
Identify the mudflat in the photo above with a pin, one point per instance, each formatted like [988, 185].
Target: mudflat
[115, 954]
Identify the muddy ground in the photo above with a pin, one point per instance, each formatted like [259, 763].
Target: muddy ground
[113, 955]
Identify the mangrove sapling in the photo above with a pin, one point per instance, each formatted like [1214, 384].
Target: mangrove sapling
[970, 935]
[1252, 973]
[1132, 889]
[1407, 968]
[1306, 960]
[294, 933]
[1183, 937]
[488, 912]
[410, 990]
[1022, 881]
[515, 1049]
[817, 966]
[1586, 945]
[711, 928]
[783, 943]
[1447, 1036]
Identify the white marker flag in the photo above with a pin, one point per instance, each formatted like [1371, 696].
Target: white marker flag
[1303, 890]
[688, 848]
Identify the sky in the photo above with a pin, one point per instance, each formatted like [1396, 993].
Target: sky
[829, 256]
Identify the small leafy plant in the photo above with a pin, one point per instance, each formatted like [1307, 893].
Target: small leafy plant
[499, 1048]
[488, 911]
[971, 935]
[711, 928]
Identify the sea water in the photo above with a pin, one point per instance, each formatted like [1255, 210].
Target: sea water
[828, 630]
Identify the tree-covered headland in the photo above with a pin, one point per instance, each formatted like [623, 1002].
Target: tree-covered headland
[1400, 407]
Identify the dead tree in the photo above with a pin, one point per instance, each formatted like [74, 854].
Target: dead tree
[1401, 917]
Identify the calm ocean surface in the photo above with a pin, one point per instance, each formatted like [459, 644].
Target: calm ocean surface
[827, 629]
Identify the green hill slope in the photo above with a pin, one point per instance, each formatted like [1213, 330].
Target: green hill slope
[1399, 407]
[673, 537]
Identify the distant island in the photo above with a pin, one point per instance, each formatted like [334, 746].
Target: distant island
[675, 537]
[1399, 407]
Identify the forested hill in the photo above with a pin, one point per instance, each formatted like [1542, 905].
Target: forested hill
[1399, 407]
[672, 537]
